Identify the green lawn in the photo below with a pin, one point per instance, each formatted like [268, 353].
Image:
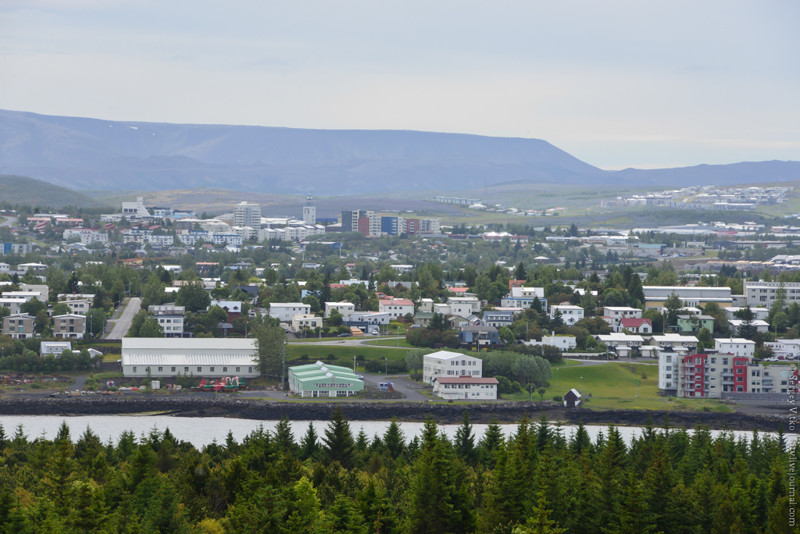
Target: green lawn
[618, 386]
[344, 353]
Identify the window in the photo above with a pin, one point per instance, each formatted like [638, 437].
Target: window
[211, 370]
[199, 369]
[238, 369]
[160, 369]
[172, 369]
[224, 369]
[134, 369]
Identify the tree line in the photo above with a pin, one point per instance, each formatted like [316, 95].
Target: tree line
[537, 479]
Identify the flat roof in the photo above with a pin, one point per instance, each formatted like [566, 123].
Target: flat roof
[188, 344]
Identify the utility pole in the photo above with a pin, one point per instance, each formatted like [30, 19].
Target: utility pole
[283, 367]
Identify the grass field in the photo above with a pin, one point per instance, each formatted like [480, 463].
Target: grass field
[618, 386]
[391, 343]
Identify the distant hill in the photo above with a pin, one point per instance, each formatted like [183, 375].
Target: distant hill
[82, 153]
[37, 193]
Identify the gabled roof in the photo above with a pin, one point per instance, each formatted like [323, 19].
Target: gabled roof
[630, 322]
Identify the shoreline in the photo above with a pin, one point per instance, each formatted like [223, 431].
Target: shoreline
[443, 413]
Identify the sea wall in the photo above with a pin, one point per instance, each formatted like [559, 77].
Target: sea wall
[503, 412]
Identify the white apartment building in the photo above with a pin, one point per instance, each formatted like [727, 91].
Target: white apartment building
[285, 311]
[465, 387]
[569, 314]
[763, 294]
[344, 308]
[464, 306]
[448, 364]
[370, 317]
[304, 320]
[396, 307]
[562, 342]
[246, 214]
[170, 318]
[79, 307]
[675, 342]
[787, 348]
[735, 346]
[656, 296]
[758, 313]
[86, 235]
[523, 297]
[614, 315]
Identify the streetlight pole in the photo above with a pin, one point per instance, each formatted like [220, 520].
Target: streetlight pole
[283, 367]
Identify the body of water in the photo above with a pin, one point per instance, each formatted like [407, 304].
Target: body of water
[201, 431]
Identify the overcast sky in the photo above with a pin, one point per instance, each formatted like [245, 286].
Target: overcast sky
[615, 83]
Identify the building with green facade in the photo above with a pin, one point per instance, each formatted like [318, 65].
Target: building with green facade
[323, 380]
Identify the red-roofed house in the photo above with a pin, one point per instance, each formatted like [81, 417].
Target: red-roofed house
[637, 326]
[465, 387]
[396, 307]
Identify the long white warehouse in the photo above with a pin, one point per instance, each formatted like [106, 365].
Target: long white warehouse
[201, 357]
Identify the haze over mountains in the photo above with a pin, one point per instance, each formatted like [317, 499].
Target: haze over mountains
[82, 154]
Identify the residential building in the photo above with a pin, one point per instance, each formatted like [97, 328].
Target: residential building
[447, 364]
[232, 307]
[170, 318]
[758, 313]
[614, 315]
[54, 347]
[350, 219]
[19, 326]
[735, 346]
[79, 306]
[344, 308]
[246, 214]
[675, 342]
[396, 307]
[695, 323]
[788, 349]
[465, 387]
[523, 297]
[369, 318]
[478, 336]
[569, 314]
[737, 324]
[656, 296]
[561, 342]
[622, 344]
[764, 294]
[285, 311]
[71, 325]
[303, 321]
[497, 318]
[324, 380]
[200, 357]
[636, 326]
[13, 304]
[464, 306]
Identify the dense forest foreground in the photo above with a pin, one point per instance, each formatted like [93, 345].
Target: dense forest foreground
[536, 480]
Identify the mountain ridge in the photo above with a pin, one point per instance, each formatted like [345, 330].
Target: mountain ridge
[84, 153]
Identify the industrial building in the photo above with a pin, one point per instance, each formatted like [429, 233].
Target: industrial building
[323, 380]
[206, 357]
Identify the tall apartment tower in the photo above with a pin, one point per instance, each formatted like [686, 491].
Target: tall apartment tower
[309, 212]
[350, 219]
[245, 214]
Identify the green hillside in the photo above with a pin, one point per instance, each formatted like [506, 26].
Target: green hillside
[37, 193]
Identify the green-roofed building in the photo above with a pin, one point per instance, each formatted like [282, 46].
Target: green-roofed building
[323, 380]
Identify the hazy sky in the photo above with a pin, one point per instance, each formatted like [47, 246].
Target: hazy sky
[615, 83]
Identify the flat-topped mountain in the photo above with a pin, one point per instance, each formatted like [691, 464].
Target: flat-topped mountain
[82, 153]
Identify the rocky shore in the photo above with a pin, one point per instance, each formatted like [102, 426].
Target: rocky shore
[506, 412]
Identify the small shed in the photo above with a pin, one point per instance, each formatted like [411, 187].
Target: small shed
[572, 398]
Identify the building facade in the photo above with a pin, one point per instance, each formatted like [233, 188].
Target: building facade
[447, 364]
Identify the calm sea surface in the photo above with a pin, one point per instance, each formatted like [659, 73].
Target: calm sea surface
[201, 431]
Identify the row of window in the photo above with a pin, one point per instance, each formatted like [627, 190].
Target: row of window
[199, 369]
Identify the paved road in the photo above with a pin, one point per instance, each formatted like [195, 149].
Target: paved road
[350, 342]
[9, 221]
[123, 323]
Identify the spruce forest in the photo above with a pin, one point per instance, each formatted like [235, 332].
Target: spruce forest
[536, 480]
